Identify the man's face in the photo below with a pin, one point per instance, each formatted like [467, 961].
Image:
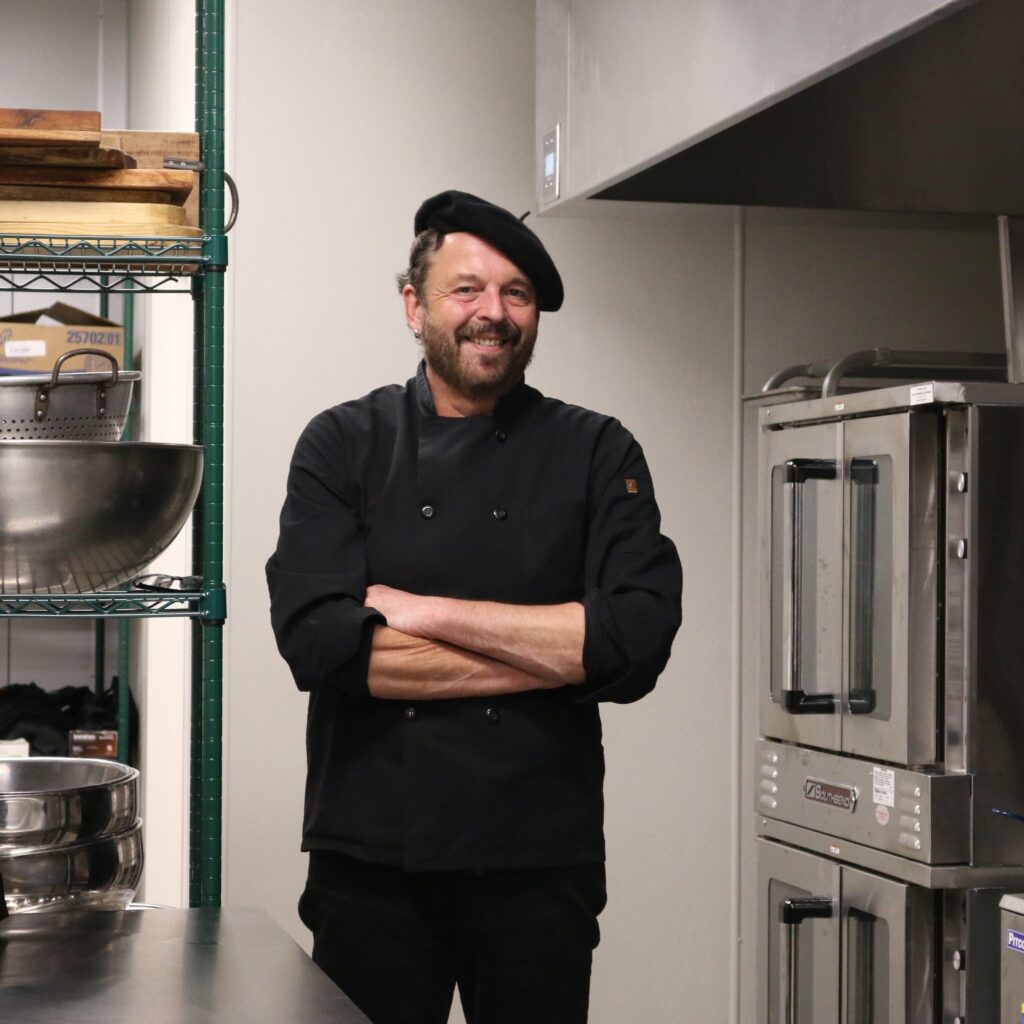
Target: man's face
[478, 319]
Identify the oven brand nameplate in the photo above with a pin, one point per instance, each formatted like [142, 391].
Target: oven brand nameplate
[1014, 940]
[844, 798]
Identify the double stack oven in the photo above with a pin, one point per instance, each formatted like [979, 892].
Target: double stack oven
[889, 773]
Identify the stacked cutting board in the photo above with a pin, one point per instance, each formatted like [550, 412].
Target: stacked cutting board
[62, 174]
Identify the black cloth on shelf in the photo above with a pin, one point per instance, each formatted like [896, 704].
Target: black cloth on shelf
[43, 717]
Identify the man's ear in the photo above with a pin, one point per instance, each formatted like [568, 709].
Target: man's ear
[413, 309]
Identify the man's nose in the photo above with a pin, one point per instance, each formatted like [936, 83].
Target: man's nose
[490, 305]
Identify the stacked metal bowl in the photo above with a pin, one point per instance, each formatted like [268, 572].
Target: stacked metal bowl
[70, 835]
[81, 510]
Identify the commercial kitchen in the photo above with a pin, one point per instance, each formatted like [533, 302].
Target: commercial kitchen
[791, 241]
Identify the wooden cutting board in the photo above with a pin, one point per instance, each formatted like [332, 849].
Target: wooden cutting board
[150, 149]
[65, 156]
[21, 127]
[82, 184]
[32, 219]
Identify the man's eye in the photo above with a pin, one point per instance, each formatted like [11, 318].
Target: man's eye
[518, 295]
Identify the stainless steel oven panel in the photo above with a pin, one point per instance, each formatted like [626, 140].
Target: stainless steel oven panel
[995, 561]
[960, 587]
[890, 691]
[798, 957]
[888, 951]
[928, 876]
[903, 396]
[912, 814]
[969, 962]
[801, 527]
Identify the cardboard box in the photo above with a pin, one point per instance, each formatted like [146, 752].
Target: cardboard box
[32, 342]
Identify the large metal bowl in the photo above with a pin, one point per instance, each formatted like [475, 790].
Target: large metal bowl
[78, 516]
[98, 874]
[53, 801]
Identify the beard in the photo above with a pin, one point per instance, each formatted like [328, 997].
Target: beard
[488, 377]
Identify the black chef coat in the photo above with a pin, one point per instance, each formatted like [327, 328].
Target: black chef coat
[539, 503]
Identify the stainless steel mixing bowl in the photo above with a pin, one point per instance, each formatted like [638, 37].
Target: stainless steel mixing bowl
[80, 516]
[98, 874]
[51, 801]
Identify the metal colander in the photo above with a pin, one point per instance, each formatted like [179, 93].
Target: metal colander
[67, 405]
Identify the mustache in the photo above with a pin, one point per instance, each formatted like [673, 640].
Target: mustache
[503, 330]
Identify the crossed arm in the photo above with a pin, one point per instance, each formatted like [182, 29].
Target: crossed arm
[438, 647]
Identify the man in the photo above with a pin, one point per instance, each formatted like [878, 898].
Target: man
[465, 569]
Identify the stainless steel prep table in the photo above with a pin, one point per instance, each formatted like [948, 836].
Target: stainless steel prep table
[161, 967]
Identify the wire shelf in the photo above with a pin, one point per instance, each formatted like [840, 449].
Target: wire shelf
[99, 263]
[118, 604]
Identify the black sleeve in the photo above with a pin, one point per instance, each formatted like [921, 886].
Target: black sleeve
[633, 579]
[317, 575]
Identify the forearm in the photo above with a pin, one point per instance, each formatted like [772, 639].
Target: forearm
[404, 667]
[541, 640]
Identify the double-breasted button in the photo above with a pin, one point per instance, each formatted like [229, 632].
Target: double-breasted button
[427, 511]
[410, 713]
[500, 436]
[500, 513]
[492, 714]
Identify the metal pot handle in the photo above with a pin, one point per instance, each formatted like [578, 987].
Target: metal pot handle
[42, 404]
[54, 380]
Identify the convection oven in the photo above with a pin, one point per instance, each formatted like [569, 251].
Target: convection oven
[890, 812]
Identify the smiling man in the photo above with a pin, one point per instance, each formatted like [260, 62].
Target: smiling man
[465, 570]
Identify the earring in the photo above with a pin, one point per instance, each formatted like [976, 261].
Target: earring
[416, 335]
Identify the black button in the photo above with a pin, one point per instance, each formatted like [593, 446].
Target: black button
[492, 714]
[427, 511]
[409, 713]
[500, 513]
[500, 435]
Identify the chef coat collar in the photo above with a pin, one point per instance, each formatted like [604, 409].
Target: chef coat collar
[520, 395]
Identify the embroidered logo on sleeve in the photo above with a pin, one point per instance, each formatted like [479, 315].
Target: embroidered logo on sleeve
[631, 486]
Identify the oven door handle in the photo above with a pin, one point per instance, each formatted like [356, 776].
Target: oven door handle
[862, 698]
[793, 912]
[795, 699]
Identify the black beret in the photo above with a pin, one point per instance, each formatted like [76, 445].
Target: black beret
[453, 211]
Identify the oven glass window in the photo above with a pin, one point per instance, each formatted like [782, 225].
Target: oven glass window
[871, 583]
[867, 969]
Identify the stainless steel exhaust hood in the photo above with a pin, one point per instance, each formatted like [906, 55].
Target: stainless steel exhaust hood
[932, 123]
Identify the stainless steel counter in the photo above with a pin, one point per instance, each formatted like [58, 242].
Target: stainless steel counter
[161, 967]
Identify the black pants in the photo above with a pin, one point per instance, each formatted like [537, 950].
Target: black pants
[516, 943]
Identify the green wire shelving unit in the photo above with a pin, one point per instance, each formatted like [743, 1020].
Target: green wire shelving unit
[139, 266]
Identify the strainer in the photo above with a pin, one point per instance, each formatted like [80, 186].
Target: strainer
[67, 405]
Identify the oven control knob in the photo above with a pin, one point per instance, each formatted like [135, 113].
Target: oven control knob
[961, 483]
[959, 1020]
[961, 548]
[960, 960]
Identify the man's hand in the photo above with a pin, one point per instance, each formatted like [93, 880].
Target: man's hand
[408, 613]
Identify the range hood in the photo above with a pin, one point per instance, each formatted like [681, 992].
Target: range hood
[933, 123]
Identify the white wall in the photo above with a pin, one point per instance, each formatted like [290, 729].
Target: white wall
[345, 116]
